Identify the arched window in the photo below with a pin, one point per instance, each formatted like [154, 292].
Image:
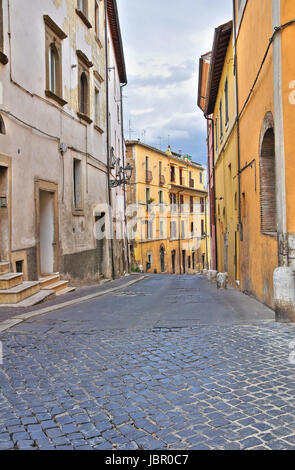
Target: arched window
[2, 126]
[83, 107]
[53, 69]
[268, 209]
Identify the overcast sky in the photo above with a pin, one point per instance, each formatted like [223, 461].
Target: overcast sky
[163, 40]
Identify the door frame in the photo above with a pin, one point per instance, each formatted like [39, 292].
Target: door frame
[49, 186]
[5, 161]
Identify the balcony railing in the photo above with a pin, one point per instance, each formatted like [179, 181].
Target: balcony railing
[149, 176]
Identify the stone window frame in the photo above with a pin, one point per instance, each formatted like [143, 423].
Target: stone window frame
[265, 200]
[84, 66]
[2, 126]
[98, 80]
[78, 209]
[97, 21]
[3, 57]
[83, 12]
[54, 36]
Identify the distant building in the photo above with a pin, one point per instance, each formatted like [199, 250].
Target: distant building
[167, 211]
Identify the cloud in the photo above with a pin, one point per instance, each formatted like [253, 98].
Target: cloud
[163, 41]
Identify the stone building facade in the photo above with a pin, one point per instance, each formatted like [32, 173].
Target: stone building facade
[55, 144]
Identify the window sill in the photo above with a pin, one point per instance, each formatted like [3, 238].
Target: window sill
[83, 18]
[55, 97]
[3, 58]
[270, 234]
[98, 129]
[84, 117]
[99, 42]
[78, 212]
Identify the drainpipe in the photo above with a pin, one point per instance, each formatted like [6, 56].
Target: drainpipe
[214, 189]
[108, 138]
[179, 230]
[124, 188]
[237, 119]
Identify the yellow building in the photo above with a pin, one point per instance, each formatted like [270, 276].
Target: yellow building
[221, 107]
[167, 211]
[251, 95]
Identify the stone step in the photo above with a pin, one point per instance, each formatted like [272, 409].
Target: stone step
[4, 267]
[9, 280]
[47, 281]
[58, 286]
[19, 293]
[41, 296]
[66, 291]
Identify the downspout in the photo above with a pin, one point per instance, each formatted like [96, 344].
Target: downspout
[237, 120]
[179, 231]
[108, 139]
[123, 160]
[214, 189]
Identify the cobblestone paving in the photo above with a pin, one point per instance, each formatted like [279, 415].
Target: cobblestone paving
[207, 387]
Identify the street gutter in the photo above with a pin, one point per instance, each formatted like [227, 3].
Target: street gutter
[7, 324]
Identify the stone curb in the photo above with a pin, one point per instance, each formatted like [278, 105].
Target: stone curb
[7, 324]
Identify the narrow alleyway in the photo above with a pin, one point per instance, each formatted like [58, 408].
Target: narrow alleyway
[170, 363]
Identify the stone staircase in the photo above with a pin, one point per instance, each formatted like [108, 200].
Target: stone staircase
[53, 282]
[15, 292]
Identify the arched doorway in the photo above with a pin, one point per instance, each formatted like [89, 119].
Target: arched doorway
[162, 259]
[268, 204]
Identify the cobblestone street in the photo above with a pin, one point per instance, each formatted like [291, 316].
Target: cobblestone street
[125, 372]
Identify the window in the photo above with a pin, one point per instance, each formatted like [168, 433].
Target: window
[202, 228]
[53, 43]
[77, 182]
[268, 207]
[161, 228]
[83, 105]
[189, 262]
[216, 134]
[192, 228]
[173, 229]
[83, 86]
[201, 178]
[181, 203]
[146, 164]
[180, 176]
[191, 203]
[202, 205]
[97, 19]
[147, 198]
[2, 126]
[3, 58]
[221, 120]
[182, 229]
[82, 11]
[226, 102]
[160, 172]
[161, 201]
[172, 174]
[149, 229]
[53, 69]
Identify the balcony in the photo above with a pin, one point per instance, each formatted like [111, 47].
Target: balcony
[192, 183]
[162, 180]
[148, 176]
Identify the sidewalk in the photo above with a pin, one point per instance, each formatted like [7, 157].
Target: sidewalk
[80, 294]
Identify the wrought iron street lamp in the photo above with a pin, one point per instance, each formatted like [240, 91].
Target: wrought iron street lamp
[124, 177]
